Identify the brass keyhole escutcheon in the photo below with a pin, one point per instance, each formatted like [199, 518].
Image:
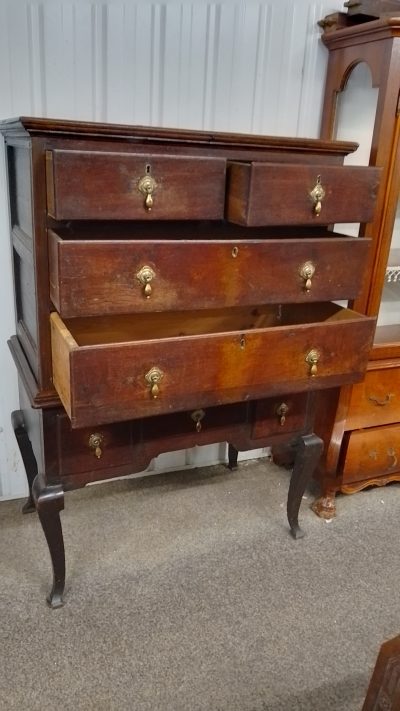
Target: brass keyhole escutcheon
[307, 271]
[235, 252]
[145, 275]
[154, 378]
[312, 359]
[95, 443]
[317, 194]
[147, 186]
[197, 416]
[282, 411]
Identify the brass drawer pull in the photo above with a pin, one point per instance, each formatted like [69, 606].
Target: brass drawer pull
[96, 442]
[154, 377]
[379, 402]
[197, 416]
[307, 271]
[147, 186]
[282, 411]
[145, 275]
[317, 194]
[312, 359]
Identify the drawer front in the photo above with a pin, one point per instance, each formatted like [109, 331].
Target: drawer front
[375, 401]
[89, 278]
[93, 449]
[106, 382]
[277, 416]
[372, 453]
[97, 185]
[275, 194]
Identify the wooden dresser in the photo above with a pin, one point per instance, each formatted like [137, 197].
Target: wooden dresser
[173, 289]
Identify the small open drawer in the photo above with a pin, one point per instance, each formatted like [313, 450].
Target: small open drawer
[109, 369]
[289, 194]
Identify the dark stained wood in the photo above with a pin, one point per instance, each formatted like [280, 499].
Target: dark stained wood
[280, 194]
[229, 319]
[147, 134]
[187, 188]
[107, 377]
[384, 688]
[280, 415]
[93, 277]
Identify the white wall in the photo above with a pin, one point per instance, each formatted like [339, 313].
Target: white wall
[256, 67]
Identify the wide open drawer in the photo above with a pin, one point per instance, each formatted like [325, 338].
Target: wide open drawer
[278, 194]
[95, 277]
[97, 185]
[109, 369]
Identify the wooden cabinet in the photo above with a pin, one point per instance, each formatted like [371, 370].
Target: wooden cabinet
[174, 289]
[362, 447]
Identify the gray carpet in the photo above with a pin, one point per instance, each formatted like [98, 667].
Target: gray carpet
[185, 592]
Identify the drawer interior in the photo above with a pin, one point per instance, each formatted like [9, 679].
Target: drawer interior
[156, 326]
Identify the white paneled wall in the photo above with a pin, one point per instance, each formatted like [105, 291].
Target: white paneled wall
[255, 67]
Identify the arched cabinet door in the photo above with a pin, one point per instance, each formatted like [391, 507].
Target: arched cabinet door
[361, 102]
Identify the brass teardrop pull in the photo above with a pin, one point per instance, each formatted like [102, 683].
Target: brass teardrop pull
[317, 194]
[154, 377]
[145, 275]
[147, 186]
[307, 271]
[312, 359]
[95, 443]
[197, 416]
[282, 411]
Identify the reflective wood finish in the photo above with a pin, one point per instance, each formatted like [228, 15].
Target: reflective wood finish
[147, 322]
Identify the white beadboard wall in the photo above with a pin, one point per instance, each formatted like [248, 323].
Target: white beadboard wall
[255, 67]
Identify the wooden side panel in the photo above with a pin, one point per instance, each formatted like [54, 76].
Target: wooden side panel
[20, 193]
[62, 344]
[94, 277]
[105, 186]
[278, 194]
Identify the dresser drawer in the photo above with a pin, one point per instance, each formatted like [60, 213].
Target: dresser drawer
[118, 368]
[375, 401]
[100, 185]
[95, 277]
[372, 453]
[277, 416]
[276, 194]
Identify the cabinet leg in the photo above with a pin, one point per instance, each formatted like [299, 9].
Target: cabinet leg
[232, 457]
[28, 457]
[49, 501]
[309, 450]
[325, 506]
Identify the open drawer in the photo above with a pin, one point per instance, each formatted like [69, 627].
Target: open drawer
[109, 369]
[93, 277]
[289, 194]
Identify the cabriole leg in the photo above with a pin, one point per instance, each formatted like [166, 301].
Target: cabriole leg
[309, 450]
[28, 457]
[232, 457]
[49, 501]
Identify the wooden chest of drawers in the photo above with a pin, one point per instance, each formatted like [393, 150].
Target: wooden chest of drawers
[174, 289]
